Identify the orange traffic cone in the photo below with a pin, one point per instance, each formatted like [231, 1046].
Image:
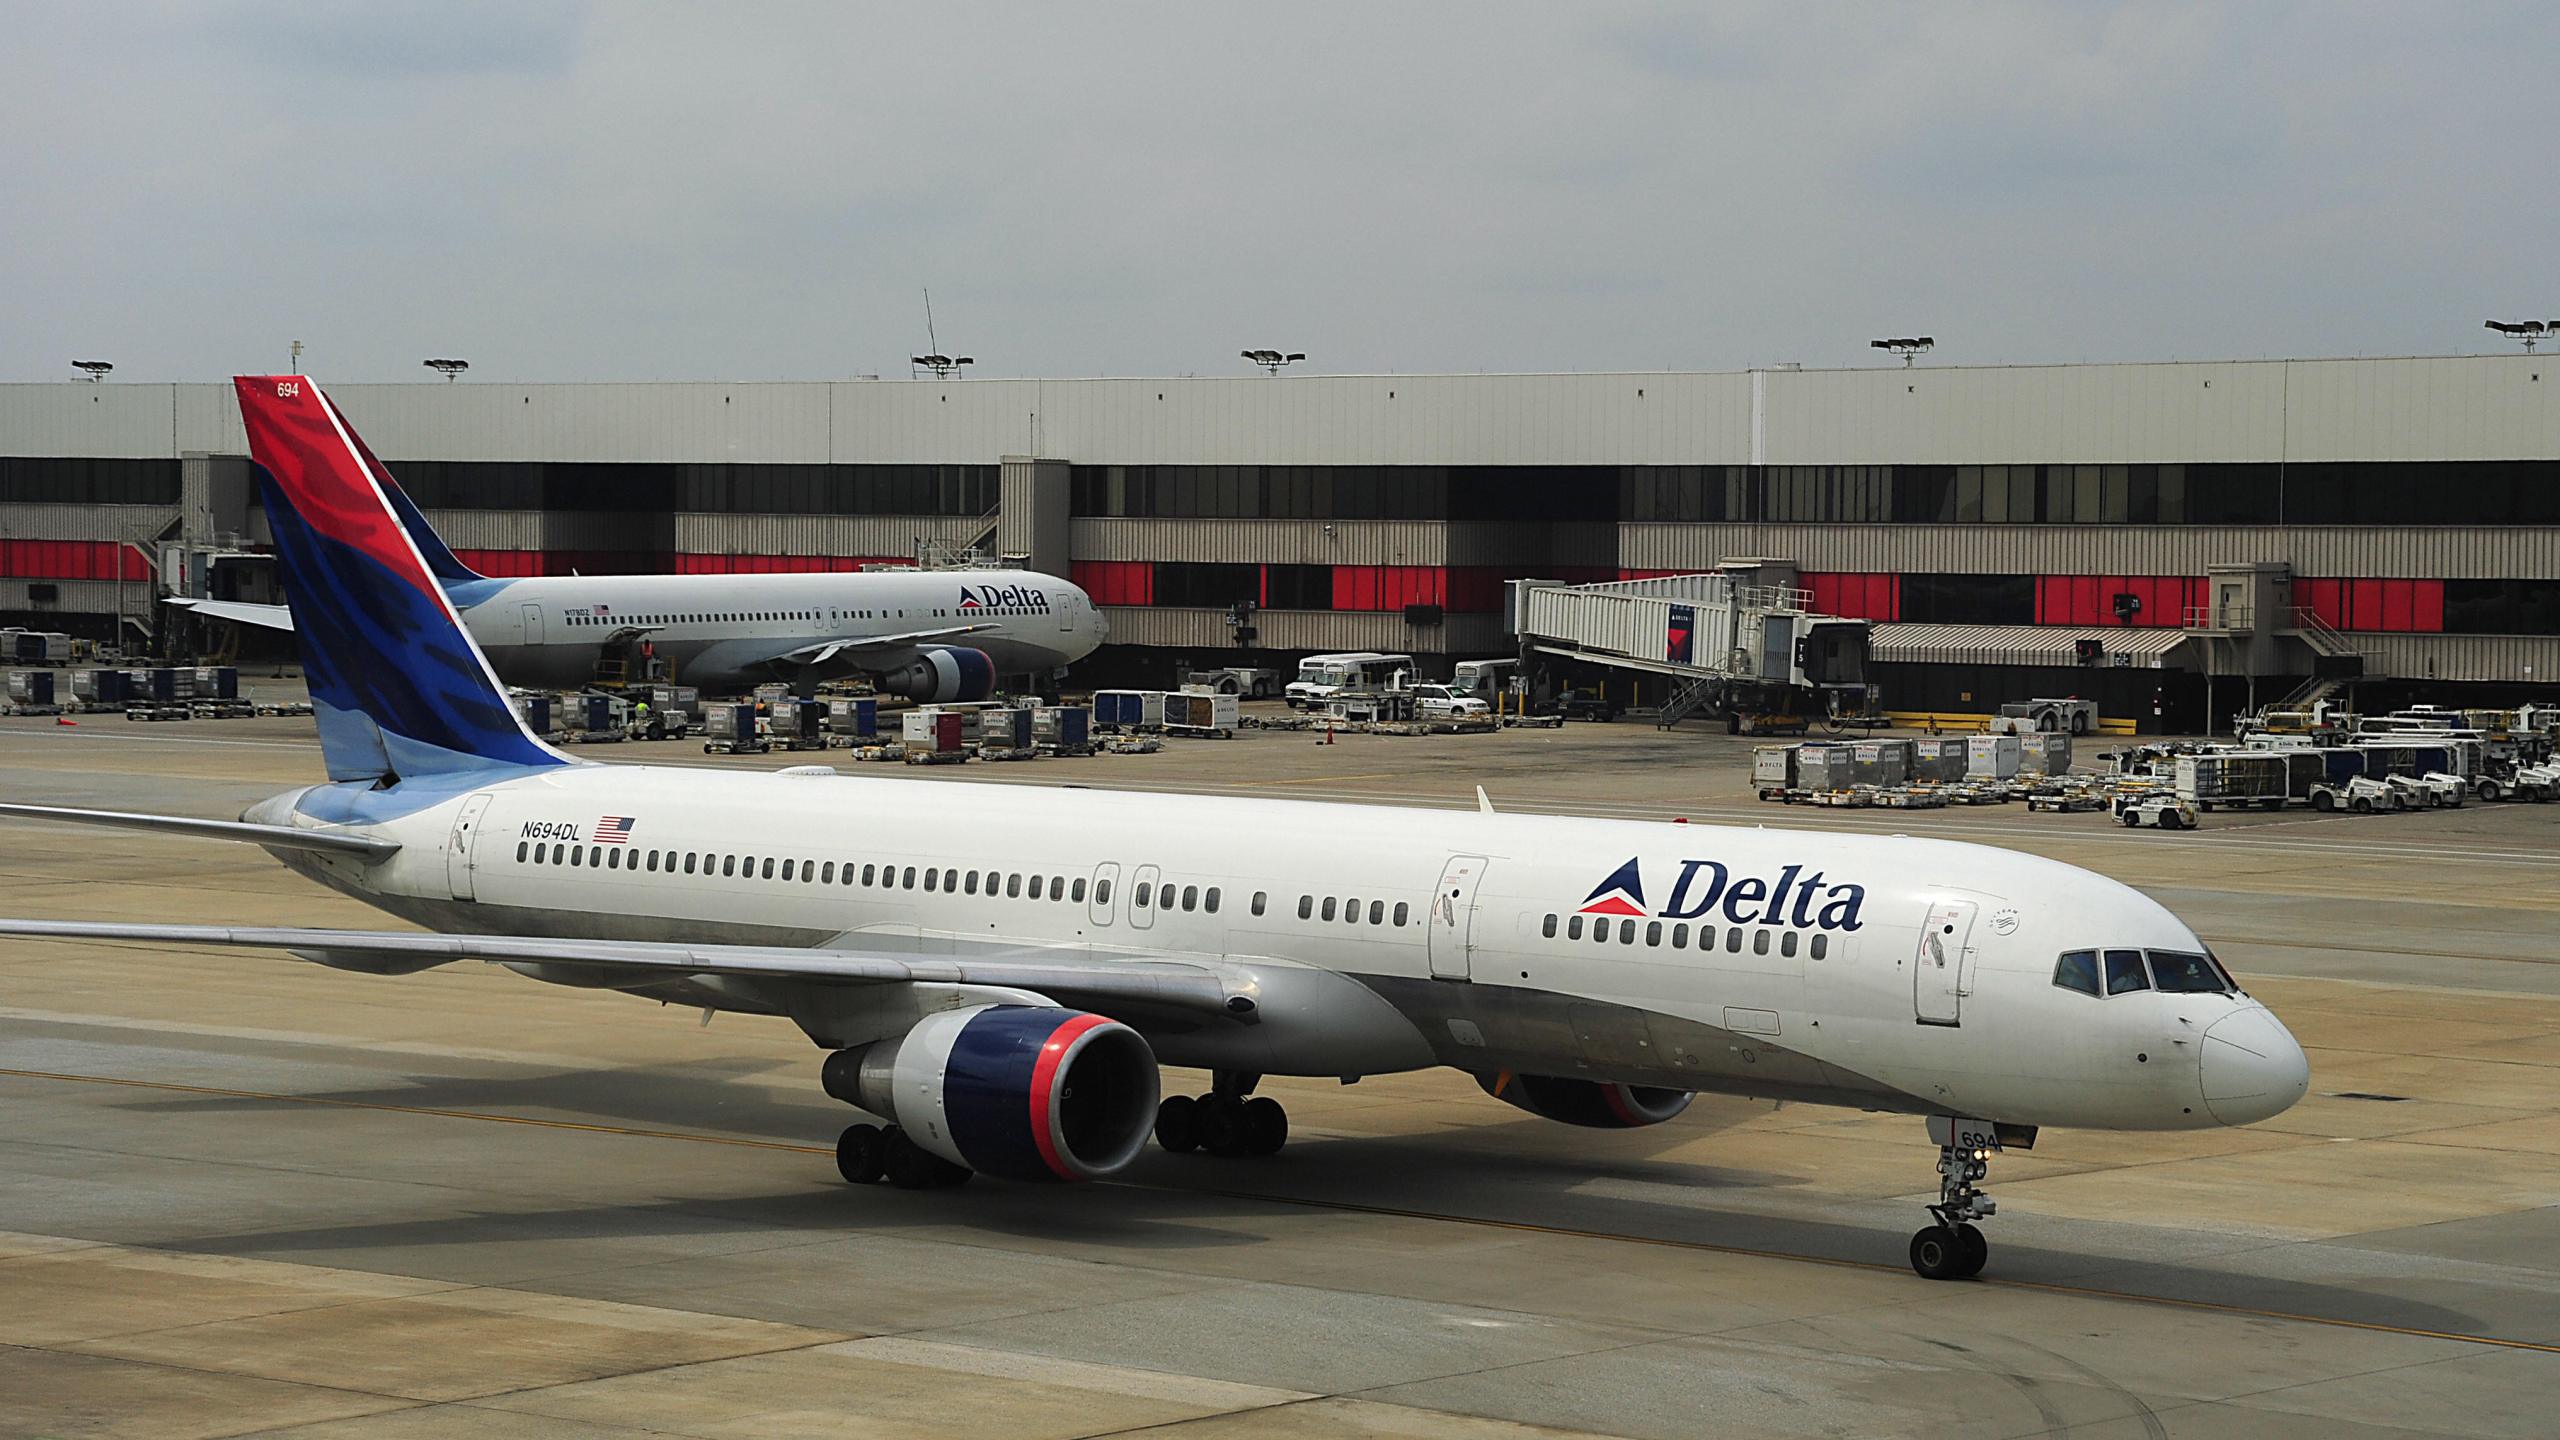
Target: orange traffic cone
[65, 720]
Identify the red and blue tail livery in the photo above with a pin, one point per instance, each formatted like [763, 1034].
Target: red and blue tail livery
[396, 682]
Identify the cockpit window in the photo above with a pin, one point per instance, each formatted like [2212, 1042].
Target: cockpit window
[2125, 973]
[2077, 970]
[2182, 973]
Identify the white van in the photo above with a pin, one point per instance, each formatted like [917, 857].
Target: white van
[1483, 679]
[1321, 677]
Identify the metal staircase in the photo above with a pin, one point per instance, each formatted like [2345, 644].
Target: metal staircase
[1688, 697]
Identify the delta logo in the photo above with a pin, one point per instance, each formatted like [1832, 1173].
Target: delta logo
[1709, 887]
[1005, 597]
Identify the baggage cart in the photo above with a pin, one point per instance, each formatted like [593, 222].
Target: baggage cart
[854, 720]
[217, 682]
[536, 713]
[1063, 729]
[2233, 780]
[1939, 759]
[1128, 711]
[100, 689]
[798, 724]
[162, 685]
[932, 737]
[1200, 713]
[1773, 770]
[2043, 752]
[32, 692]
[1006, 734]
[1992, 757]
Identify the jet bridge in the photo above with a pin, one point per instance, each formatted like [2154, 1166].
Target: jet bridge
[1741, 642]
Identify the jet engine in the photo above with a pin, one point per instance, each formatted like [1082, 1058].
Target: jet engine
[941, 674]
[1028, 1092]
[1585, 1102]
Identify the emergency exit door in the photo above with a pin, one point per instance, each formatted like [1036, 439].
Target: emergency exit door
[1944, 964]
[1452, 917]
[533, 624]
[457, 850]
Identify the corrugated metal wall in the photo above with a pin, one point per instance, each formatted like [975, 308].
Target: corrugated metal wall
[2446, 553]
[876, 535]
[1273, 542]
[2461, 657]
[83, 522]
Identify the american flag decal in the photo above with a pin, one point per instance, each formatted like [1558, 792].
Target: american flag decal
[613, 829]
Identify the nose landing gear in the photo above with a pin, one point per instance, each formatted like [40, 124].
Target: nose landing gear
[1953, 1248]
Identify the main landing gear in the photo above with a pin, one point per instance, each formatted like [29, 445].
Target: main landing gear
[868, 1154]
[1223, 1122]
[1953, 1249]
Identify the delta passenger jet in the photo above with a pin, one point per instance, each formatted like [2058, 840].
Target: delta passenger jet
[932, 636]
[997, 972]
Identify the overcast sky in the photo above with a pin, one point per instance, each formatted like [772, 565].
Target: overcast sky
[628, 191]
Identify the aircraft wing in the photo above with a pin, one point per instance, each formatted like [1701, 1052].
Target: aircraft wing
[1160, 985]
[826, 650]
[280, 837]
[272, 617]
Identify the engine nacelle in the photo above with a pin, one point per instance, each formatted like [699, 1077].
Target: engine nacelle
[1586, 1102]
[1028, 1092]
[942, 674]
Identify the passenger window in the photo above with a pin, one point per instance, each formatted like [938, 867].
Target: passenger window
[1653, 932]
[1013, 887]
[908, 882]
[1210, 900]
[1680, 937]
[1402, 910]
[1821, 945]
[1549, 929]
[1787, 943]
[1328, 907]
[1572, 928]
[768, 867]
[786, 872]
[574, 858]
[1306, 907]
[970, 882]
[2125, 973]
[1377, 912]
[595, 855]
[827, 873]
[1146, 889]
[1599, 931]
[1075, 893]
[613, 859]
[1260, 898]
[867, 872]
[522, 848]
[1190, 897]
[689, 858]
[1102, 892]
[1351, 911]
[2077, 970]
[1759, 942]
[1733, 941]
[1626, 932]
[728, 866]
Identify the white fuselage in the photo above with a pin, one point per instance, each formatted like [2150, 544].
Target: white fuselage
[1887, 973]
[728, 632]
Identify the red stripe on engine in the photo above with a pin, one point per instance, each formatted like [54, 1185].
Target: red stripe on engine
[1044, 1076]
[1616, 1096]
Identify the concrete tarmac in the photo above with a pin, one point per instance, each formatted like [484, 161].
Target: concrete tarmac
[240, 1194]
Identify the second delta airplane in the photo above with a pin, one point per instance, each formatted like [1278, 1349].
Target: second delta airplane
[998, 971]
[931, 636]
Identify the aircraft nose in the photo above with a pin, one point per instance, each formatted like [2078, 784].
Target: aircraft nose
[2253, 1068]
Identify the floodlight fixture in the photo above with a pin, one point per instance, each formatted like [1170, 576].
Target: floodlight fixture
[942, 366]
[2528, 331]
[1272, 360]
[1908, 347]
[451, 370]
[92, 370]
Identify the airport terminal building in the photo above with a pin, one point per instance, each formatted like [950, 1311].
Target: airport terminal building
[2259, 521]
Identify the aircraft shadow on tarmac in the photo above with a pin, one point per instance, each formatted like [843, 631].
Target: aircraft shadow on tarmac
[1529, 1173]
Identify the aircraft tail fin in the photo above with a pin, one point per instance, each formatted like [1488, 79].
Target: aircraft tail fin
[441, 561]
[398, 685]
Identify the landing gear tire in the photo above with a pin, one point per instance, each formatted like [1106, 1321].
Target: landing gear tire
[862, 1154]
[1178, 1124]
[1938, 1253]
[1222, 1131]
[910, 1166]
[1266, 1126]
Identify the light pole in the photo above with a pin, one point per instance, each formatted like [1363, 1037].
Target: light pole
[1272, 360]
[1909, 348]
[2528, 331]
[92, 370]
[451, 370]
[942, 366]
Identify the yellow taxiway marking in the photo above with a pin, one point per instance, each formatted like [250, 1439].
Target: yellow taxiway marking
[1342, 1206]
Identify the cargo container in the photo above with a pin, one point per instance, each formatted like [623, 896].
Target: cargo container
[535, 711]
[595, 717]
[1825, 767]
[217, 682]
[32, 689]
[2043, 753]
[798, 724]
[1992, 757]
[857, 718]
[2233, 779]
[932, 735]
[37, 647]
[1006, 730]
[1881, 762]
[1773, 767]
[161, 686]
[99, 687]
[1064, 729]
[1938, 758]
[730, 728]
[1128, 709]
[1195, 712]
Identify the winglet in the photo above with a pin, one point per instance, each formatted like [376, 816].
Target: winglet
[1484, 802]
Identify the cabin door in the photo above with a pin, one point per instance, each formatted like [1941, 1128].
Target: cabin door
[533, 624]
[1944, 963]
[457, 850]
[1452, 917]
